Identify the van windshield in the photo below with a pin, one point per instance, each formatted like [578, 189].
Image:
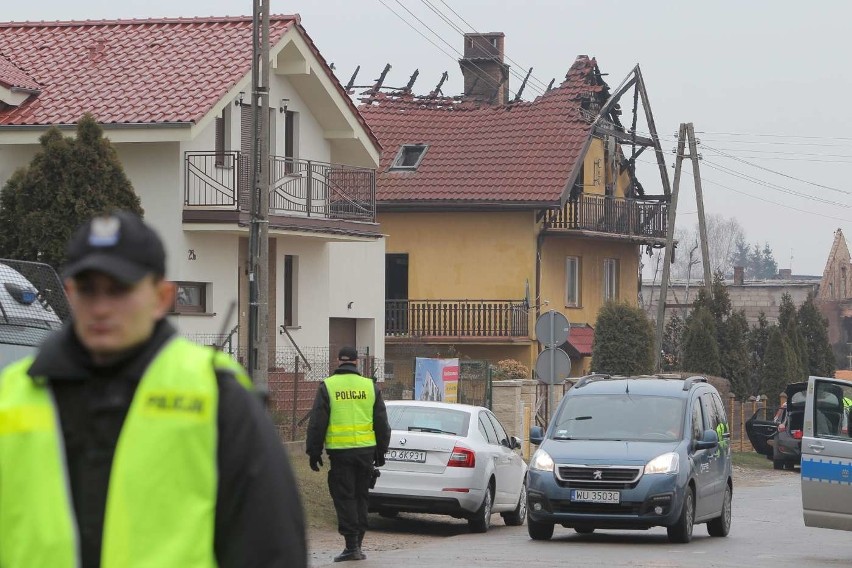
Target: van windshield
[620, 417]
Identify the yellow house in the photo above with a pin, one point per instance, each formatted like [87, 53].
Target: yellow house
[498, 211]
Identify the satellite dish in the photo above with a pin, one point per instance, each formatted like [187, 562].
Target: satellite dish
[527, 294]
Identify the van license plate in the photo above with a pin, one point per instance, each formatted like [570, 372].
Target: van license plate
[588, 496]
[395, 454]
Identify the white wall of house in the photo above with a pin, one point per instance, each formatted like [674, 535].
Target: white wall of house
[14, 157]
[312, 287]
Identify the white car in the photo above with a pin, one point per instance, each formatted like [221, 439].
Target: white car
[450, 459]
[827, 455]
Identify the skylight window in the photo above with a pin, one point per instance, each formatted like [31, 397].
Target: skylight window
[409, 157]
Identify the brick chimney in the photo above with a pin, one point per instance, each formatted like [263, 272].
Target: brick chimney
[486, 77]
[739, 275]
[785, 273]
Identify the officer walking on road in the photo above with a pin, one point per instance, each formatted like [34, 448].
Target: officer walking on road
[124, 446]
[350, 420]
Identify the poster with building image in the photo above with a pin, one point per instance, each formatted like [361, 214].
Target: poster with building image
[436, 379]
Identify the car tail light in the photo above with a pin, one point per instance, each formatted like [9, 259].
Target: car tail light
[462, 457]
[797, 434]
[782, 428]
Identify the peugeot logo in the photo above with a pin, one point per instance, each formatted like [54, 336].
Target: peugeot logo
[402, 441]
[598, 474]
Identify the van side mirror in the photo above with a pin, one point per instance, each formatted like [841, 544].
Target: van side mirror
[708, 441]
[514, 443]
[536, 435]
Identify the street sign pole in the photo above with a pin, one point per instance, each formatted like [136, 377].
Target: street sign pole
[551, 402]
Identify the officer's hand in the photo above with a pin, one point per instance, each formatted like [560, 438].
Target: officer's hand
[379, 460]
[316, 462]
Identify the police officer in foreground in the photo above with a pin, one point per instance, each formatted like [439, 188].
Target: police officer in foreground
[122, 445]
[350, 420]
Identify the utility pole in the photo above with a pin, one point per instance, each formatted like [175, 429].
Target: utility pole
[686, 133]
[258, 257]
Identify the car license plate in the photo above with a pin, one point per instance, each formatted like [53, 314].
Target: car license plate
[589, 496]
[394, 454]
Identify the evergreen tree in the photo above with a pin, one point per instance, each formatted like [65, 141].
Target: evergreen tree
[673, 343]
[623, 341]
[814, 329]
[768, 264]
[780, 364]
[740, 256]
[716, 300]
[68, 181]
[734, 353]
[789, 324]
[700, 348]
[758, 338]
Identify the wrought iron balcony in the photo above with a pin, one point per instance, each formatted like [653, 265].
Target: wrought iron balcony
[456, 318]
[307, 188]
[613, 215]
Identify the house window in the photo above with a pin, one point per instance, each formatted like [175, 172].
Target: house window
[290, 274]
[409, 157]
[572, 282]
[191, 298]
[610, 279]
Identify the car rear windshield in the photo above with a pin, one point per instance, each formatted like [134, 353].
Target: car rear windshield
[428, 419]
[620, 417]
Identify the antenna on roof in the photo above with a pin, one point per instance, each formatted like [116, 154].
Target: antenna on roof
[521, 88]
[437, 90]
[352, 79]
[550, 85]
[411, 80]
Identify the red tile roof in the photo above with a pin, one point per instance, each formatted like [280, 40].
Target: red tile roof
[129, 71]
[580, 340]
[14, 78]
[520, 152]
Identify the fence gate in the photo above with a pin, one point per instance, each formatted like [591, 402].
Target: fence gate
[474, 383]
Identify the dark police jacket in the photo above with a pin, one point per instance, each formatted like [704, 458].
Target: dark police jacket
[259, 519]
[319, 420]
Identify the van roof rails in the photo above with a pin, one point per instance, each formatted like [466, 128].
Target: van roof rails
[689, 382]
[589, 378]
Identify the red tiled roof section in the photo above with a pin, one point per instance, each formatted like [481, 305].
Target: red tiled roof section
[521, 152]
[581, 340]
[14, 78]
[129, 71]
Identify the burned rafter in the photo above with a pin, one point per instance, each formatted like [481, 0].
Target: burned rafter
[351, 81]
[437, 90]
[411, 81]
[550, 85]
[378, 84]
[523, 85]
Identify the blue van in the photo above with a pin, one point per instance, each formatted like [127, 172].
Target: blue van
[633, 453]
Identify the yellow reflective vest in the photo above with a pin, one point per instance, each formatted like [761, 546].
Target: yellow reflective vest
[161, 500]
[350, 421]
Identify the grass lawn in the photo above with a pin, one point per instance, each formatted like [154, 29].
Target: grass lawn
[313, 487]
[751, 460]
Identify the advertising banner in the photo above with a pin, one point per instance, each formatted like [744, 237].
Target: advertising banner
[436, 379]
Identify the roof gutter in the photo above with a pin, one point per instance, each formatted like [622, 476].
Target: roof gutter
[444, 206]
[105, 126]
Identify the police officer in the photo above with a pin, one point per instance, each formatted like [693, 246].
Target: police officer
[350, 420]
[122, 445]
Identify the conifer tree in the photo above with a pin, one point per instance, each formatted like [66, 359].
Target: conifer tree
[700, 348]
[758, 338]
[780, 366]
[814, 329]
[789, 324]
[623, 341]
[68, 181]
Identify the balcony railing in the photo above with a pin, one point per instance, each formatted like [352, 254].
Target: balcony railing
[615, 215]
[296, 187]
[456, 318]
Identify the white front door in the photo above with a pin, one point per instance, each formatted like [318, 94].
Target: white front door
[827, 455]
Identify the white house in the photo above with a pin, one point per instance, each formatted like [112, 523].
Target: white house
[173, 96]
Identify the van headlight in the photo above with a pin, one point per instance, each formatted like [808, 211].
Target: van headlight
[666, 463]
[541, 461]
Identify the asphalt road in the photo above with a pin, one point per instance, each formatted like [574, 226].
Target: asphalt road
[767, 531]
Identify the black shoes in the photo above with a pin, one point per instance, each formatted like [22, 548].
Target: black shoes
[350, 554]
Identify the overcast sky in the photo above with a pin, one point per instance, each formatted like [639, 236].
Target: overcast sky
[766, 82]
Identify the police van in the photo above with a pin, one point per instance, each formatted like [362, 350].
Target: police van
[32, 305]
[827, 455]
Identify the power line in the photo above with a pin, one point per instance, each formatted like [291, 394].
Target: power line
[412, 26]
[774, 135]
[542, 84]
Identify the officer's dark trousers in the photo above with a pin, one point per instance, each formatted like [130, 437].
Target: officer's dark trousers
[349, 485]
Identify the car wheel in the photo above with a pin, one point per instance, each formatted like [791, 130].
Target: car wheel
[517, 517]
[539, 531]
[681, 531]
[388, 514]
[584, 530]
[481, 519]
[721, 525]
[777, 464]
